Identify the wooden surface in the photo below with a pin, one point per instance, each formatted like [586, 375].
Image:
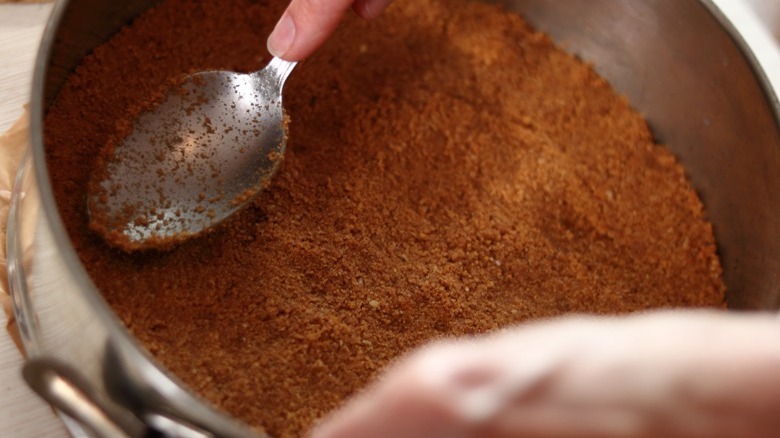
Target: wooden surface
[24, 415]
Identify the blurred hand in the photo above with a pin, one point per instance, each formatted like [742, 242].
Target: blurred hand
[665, 374]
[306, 24]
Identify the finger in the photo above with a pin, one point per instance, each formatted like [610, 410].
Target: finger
[370, 8]
[681, 374]
[409, 403]
[304, 26]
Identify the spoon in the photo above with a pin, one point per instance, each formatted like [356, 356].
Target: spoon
[196, 157]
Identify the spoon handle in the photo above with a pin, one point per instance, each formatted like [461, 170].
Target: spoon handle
[280, 69]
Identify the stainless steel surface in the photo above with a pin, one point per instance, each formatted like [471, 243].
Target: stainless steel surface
[62, 386]
[67, 390]
[680, 63]
[193, 160]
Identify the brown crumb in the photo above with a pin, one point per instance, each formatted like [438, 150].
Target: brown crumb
[448, 172]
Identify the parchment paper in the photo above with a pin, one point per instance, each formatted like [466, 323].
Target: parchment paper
[12, 145]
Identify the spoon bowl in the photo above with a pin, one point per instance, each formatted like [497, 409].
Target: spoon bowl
[199, 155]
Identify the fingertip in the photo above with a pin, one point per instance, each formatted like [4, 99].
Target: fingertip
[305, 26]
[282, 37]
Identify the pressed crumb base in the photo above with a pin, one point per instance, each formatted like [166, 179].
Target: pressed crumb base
[449, 172]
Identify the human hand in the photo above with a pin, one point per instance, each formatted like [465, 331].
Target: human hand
[666, 374]
[306, 24]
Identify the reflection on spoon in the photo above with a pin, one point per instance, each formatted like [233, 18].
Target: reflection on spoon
[210, 145]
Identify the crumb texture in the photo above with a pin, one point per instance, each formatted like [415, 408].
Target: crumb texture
[449, 171]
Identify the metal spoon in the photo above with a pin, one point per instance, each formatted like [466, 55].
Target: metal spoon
[201, 154]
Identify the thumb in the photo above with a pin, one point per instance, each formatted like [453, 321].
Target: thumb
[306, 24]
